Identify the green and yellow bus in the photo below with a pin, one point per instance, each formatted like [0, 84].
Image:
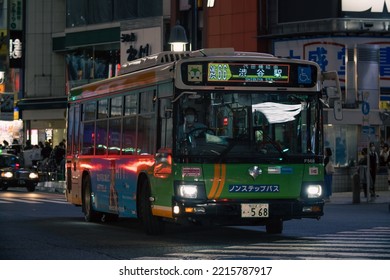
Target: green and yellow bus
[249, 153]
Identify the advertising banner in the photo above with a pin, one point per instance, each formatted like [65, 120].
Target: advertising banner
[329, 53]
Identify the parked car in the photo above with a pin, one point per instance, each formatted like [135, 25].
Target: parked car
[12, 174]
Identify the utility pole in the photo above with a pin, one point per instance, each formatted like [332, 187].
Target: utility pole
[194, 32]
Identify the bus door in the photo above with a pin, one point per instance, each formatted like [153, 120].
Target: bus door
[73, 179]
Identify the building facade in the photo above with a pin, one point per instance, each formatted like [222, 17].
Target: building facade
[72, 42]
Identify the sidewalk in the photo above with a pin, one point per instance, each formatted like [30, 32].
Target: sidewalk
[346, 198]
[52, 186]
[337, 198]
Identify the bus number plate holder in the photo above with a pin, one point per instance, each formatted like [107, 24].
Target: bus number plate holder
[251, 210]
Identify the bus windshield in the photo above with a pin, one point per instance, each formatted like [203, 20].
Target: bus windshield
[245, 127]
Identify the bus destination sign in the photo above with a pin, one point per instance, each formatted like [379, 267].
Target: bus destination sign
[248, 73]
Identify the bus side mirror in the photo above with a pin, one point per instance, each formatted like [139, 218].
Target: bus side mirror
[163, 163]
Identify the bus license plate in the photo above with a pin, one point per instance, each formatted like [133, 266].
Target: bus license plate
[254, 210]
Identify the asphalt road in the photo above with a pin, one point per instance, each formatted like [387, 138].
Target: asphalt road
[43, 226]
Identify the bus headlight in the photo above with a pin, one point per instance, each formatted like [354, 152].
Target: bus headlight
[7, 174]
[190, 190]
[33, 175]
[314, 191]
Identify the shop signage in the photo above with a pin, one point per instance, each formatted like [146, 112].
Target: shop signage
[134, 52]
[15, 49]
[16, 15]
[330, 53]
[139, 42]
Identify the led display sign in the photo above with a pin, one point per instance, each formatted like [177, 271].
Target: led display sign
[257, 73]
[272, 74]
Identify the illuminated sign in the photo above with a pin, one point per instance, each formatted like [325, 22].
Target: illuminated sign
[373, 6]
[257, 73]
[16, 15]
[15, 49]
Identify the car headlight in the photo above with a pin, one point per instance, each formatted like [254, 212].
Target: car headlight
[33, 175]
[7, 174]
[190, 190]
[314, 191]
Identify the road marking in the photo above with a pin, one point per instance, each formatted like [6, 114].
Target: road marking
[11, 199]
[32, 200]
[363, 244]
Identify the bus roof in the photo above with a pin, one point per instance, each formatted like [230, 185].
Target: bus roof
[169, 56]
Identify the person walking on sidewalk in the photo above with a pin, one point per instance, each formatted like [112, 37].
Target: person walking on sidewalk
[329, 170]
[384, 159]
[374, 162]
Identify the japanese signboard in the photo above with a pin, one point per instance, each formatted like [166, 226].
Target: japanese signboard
[330, 53]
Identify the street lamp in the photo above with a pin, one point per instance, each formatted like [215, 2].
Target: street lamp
[178, 38]
[210, 3]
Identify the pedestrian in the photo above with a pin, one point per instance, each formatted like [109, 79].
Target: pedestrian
[59, 152]
[384, 159]
[46, 151]
[329, 170]
[363, 172]
[374, 162]
[28, 145]
[36, 155]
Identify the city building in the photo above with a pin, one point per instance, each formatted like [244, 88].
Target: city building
[71, 42]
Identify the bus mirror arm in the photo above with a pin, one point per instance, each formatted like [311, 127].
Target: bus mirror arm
[337, 108]
[192, 95]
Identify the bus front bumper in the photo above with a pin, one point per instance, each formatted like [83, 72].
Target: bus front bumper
[231, 213]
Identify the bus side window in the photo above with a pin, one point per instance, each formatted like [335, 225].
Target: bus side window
[165, 124]
[88, 138]
[129, 136]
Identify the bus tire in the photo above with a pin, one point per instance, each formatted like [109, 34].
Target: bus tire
[152, 225]
[90, 214]
[274, 226]
[31, 188]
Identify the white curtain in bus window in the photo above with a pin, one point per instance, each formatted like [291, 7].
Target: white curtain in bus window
[116, 106]
[131, 104]
[102, 109]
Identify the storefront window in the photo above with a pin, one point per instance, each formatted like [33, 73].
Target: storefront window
[85, 12]
[91, 64]
[342, 139]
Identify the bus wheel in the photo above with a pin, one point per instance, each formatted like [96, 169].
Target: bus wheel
[153, 225]
[31, 188]
[90, 214]
[274, 226]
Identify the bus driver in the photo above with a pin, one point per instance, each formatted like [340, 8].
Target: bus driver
[191, 128]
